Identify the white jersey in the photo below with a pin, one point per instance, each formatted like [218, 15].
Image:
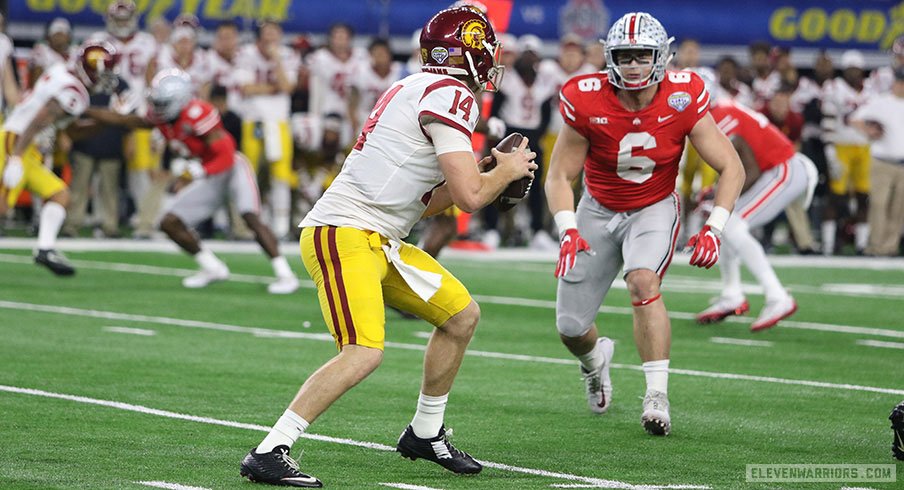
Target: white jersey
[885, 109]
[198, 68]
[254, 67]
[764, 88]
[57, 83]
[330, 79]
[225, 74]
[806, 92]
[386, 181]
[550, 72]
[881, 80]
[6, 53]
[839, 101]
[43, 56]
[136, 52]
[523, 104]
[370, 87]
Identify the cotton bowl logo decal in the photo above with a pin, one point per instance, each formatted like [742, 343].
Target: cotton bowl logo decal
[680, 100]
[473, 33]
[439, 54]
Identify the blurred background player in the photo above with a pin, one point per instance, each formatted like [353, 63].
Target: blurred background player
[331, 69]
[881, 119]
[10, 96]
[765, 78]
[137, 49]
[183, 53]
[59, 96]
[56, 47]
[847, 153]
[776, 175]
[268, 75]
[369, 81]
[524, 103]
[626, 129]
[213, 170]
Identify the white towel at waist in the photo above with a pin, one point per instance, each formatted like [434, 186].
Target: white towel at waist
[423, 283]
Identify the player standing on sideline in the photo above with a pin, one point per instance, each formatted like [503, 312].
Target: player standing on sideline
[8, 84]
[215, 169]
[413, 158]
[625, 129]
[776, 175]
[58, 97]
[268, 72]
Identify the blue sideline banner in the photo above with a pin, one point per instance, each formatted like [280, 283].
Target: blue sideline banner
[865, 24]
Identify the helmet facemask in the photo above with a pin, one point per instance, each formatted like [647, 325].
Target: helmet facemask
[170, 92]
[493, 78]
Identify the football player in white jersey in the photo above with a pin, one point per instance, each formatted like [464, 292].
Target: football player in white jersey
[847, 151]
[268, 73]
[370, 80]
[56, 48]
[58, 97]
[331, 70]
[223, 56]
[10, 96]
[137, 49]
[184, 54]
[412, 158]
[883, 78]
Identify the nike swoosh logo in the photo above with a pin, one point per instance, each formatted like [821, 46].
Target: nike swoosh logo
[666, 118]
[307, 479]
[900, 441]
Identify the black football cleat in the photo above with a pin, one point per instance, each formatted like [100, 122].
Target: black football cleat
[439, 450]
[55, 261]
[897, 426]
[276, 468]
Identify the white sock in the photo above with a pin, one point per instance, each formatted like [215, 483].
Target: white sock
[281, 267]
[828, 237]
[287, 430]
[591, 361]
[281, 202]
[657, 374]
[207, 260]
[428, 419]
[52, 217]
[751, 254]
[861, 235]
[730, 269]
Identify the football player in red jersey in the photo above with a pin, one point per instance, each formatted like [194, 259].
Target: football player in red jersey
[211, 169]
[625, 128]
[776, 176]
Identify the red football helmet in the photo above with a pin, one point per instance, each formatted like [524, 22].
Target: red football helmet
[95, 65]
[122, 18]
[460, 41]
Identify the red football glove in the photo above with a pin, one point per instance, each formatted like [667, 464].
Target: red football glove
[706, 248]
[571, 244]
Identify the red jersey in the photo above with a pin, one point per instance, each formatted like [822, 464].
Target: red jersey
[770, 147]
[186, 136]
[633, 157]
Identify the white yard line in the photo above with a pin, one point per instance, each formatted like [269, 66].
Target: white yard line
[69, 311]
[335, 440]
[746, 342]
[422, 335]
[879, 343]
[496, 256]
[499, 300]
[131, 331]
[405, 486]
[169, 486]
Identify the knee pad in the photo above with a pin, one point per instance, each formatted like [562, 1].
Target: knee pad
[571, 326]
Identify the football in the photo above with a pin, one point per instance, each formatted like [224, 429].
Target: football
[517, 190]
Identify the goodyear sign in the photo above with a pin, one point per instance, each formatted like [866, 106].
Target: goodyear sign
[864, 24]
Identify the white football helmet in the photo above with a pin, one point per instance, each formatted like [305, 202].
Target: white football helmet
[171, 90]
[710, 81]
[638, 30]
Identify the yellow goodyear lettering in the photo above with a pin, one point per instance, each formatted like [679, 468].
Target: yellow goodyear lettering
[99, 6]
[72, 6]
[896, 27]
[41, 5]
[783, 24]
[872, 23]
[158, 8]
[241, 8]
[190, 6]
[213, 9]
[842, 24]
[274, 9]
[812, 24]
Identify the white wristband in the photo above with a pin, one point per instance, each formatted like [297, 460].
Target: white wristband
[717, 219]
[565, 220]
